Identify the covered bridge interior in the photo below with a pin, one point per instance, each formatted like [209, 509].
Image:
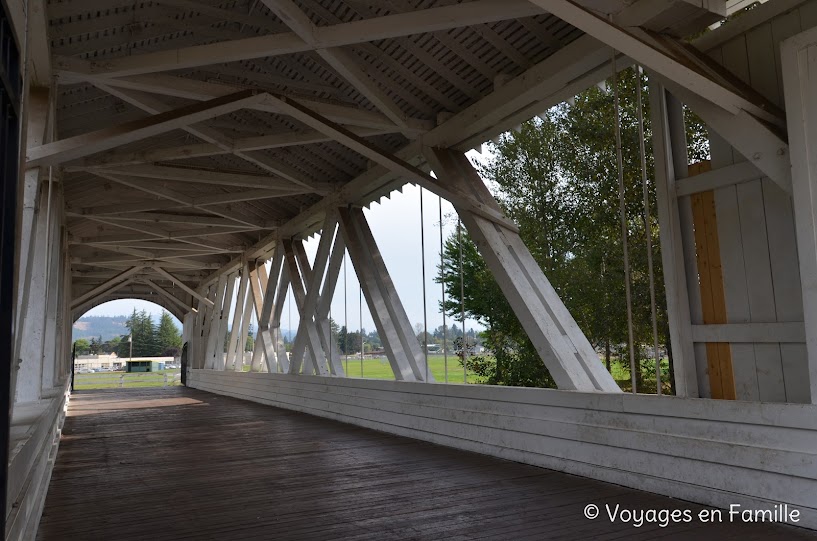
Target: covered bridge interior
[181, 151]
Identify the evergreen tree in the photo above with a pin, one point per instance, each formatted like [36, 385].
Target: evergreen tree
[168, 339]
[143, 334]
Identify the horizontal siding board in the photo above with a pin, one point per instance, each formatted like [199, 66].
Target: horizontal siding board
[452, 415]
[799, 416]
[787, 439]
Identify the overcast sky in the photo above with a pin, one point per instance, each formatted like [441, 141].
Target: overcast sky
[395, 223]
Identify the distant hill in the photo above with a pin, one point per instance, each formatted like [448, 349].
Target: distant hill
[112, 326]
[105, 326]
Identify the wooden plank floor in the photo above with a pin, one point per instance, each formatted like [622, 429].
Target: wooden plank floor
[160, 464]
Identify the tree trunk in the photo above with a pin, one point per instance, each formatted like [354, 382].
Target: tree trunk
[607, 353]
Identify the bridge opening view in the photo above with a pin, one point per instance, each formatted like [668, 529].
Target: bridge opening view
[439, 269]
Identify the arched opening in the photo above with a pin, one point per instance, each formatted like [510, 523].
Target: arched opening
[127, 342]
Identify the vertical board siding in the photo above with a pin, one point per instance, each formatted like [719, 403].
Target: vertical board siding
[709, 451]
[756, 227]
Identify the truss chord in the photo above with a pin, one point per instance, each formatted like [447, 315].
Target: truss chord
[423, 264]
[623, 216]
[647, 233]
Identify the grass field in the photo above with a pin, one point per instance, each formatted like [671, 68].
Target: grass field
[368, 368]
[381, 369]
[112, 380]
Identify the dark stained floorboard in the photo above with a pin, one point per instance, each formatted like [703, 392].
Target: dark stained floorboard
[172, 464]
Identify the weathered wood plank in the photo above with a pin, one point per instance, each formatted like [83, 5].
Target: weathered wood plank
[161, 464]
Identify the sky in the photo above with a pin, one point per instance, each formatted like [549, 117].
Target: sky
[395, 223]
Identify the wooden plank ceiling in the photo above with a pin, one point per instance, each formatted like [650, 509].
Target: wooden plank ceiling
[171, 199]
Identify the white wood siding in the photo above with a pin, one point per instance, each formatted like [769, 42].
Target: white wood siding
[708, 451]
[756, 227]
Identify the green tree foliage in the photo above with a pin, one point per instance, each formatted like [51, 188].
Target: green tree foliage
[145, 336]
[558, 179]
[250, 344]
[82, 346]
[168, 340]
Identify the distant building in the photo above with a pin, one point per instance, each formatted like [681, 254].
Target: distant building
[145, 365]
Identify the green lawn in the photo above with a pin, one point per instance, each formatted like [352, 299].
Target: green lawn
[112, 380]
[381, 369]
[371, 368]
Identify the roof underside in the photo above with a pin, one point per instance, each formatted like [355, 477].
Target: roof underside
[145, 201]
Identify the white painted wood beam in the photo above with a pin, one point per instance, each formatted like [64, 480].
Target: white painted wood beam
[161, 291]
[799, 66]
[189, 236]
[204, 176]
[182, 87]
[391, 162]
[568, 355]
[662, 107]
[309, 340]
[751, 333]
[238, 313]
[107, 138]
[79, 309]
[751, 137]
[324, 306]
[182, 267]
[273, 341]
[199, 150]
[164, 218]
[389, 26]
[150, 104]
[341, 61]
[652, 57]
[238, 362]
[717, 178]
[160, 271]
[386, 313]
[121, 277]
[213, 339]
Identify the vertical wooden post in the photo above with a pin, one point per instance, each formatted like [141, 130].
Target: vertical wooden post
[670, 158]
[799, 58]
[710, 276]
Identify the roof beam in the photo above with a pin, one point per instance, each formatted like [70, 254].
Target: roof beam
[391, 162]
[105, 286]
[201, 202]
[205, 176]
[152, 105]
[343, 63]
[165, 218]
[643, 50]
[161, 291]
[182, 285]
[183, 87]
[200, 150]
[374, 29]
[107, 138]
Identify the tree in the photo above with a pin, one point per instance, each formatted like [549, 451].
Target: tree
[557, 178]
[143, 334]
[82, 346]
[111, 346]
[250, 344]
[168, 339]
[95, 345]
